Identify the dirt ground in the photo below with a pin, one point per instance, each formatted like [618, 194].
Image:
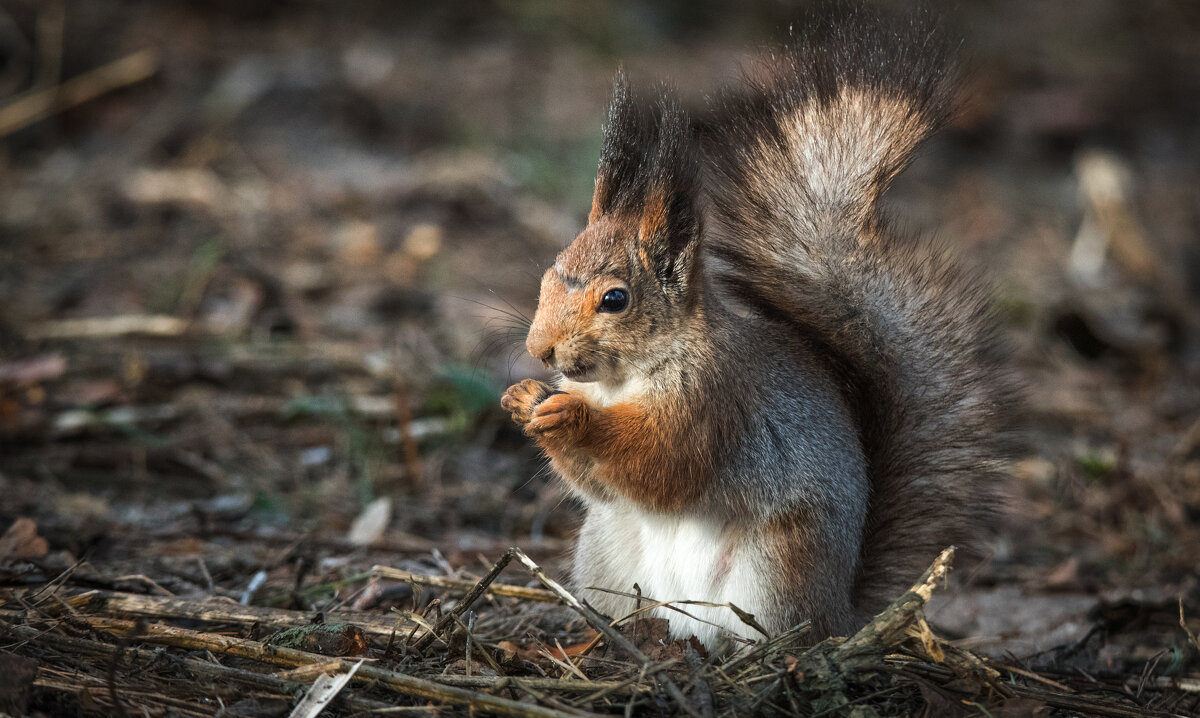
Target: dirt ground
[263, 271]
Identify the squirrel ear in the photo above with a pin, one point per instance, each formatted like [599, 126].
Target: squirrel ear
[648, 171]
[669, 228]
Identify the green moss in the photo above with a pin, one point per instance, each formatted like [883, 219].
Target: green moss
[1097, 465]
[462, 394]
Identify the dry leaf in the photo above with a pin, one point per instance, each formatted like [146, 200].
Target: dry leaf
[368, 528]
[22, 541]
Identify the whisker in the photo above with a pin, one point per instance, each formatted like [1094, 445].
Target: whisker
[543, 472]
[514, 356]
[493, 341]
[515, 314]
[511, 306]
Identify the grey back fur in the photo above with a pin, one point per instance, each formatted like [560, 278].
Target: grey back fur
[796, 167]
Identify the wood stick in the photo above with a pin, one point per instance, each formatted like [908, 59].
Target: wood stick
[893, 624]
[1083, 704]
[1076, 702]
[159, 325]
[465, 604]
[213, 671]
[1187, 684]
[40, 104]
[162, 607]
[463, 585]
[1034, 676]
[489, 682]
[564, 685]
[903, 622]
[258, 651]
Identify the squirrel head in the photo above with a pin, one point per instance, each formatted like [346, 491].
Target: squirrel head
[617, 295]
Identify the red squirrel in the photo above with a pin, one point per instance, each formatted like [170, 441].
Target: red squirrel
[767, 395]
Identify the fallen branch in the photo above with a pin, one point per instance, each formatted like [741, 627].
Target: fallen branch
[216, 672]
[158, 325]
[894, 651]
[459, 584]
[40, 104]
[903, 625]
[278, 655]
[1078, 704]
[160, 607]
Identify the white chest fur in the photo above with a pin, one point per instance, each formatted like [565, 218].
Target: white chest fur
[673, 558]
[603, 395]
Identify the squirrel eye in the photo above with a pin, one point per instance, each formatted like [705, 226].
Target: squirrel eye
[615, 300]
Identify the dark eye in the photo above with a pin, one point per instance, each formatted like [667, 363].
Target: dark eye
[615, 300]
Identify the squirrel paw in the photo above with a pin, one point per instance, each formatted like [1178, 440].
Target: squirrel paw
[523, 397]
[560, 416]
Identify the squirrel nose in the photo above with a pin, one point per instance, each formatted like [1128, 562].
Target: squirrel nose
[540, 346]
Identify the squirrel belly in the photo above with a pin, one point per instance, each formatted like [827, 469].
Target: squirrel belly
[670, 557]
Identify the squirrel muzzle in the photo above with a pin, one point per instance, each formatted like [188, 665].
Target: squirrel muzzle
[566, 331]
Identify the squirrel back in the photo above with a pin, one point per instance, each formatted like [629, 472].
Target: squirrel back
[797, 166]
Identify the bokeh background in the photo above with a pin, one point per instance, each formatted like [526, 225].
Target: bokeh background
[274, 272]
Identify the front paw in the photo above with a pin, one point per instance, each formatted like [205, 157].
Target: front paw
[561, 416]
[523, 397]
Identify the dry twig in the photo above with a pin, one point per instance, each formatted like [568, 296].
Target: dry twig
[1183, 624]
[458, 584]
[113, 603]
[40, 104]
[221, 675]
[465, 604]
[400, 682]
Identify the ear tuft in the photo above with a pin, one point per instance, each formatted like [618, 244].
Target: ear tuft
[670, 227]
[628, 132]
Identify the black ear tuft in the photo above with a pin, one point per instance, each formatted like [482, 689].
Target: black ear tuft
[628, 133]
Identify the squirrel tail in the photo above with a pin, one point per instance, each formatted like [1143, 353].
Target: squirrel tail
[797, 166]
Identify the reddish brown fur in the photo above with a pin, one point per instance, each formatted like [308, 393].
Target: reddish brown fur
[654, 217]
[626, 448]
[637, 450]
[806, 567]
[597, 199]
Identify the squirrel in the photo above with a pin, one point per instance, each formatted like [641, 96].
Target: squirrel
[767, 395]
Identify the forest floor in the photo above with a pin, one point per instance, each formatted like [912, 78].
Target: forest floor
[260, 296]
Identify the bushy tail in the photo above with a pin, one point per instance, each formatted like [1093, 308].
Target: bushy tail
[797, 167]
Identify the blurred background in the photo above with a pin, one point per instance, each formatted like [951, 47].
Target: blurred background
[263, 269]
